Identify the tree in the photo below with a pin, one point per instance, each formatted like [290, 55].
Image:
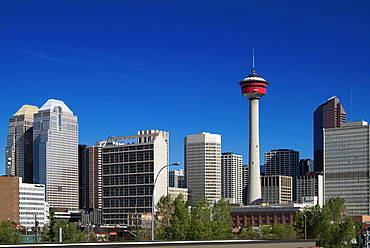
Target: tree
[201, 222]
[250, 233]
[70, 231]
[9, 233]
[328, 225]
[278, 231]
[180, 219]
[220, 223]
[166, 209]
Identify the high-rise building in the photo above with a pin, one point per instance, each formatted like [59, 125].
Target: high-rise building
[346, 165]
[89, 173]
[55, 156]
[283, 162]
[176, 178]
[253, 88]
[277, 189]
[203, 166]
[305, 166]
[310, 185]
[231, 177]
[330, 114]
[245, 175]
[130, 165]
[19, 147]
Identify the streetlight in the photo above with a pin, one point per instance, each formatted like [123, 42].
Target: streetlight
[155, 181]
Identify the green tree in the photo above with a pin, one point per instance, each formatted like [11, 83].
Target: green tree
[9, 233]
[278, 231]
[200, 228]
[201, 222]
[220, 224]
[163, 229]
[328, 225]
[180, 219]
[250, 233]
[70, 231]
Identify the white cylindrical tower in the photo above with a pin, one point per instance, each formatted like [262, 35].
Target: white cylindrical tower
[253, 88]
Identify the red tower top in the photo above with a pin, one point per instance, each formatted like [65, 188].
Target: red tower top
[253, 87]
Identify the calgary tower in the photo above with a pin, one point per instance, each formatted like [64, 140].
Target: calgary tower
[253, 88]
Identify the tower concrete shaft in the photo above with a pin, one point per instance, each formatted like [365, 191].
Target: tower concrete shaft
[253, 88]
[254, 189]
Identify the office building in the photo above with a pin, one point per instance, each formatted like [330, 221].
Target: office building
[33, 209]
[19, 147]
[23, 203]
[130, 165]
[330, 114]
[89, 173]
[277, 189]
[55, 156]
[203, 166]
[283, 162]
[177, 178]
[305, 166]
[175, 192]
[346, 165]
[9, 198]
[245, 175]
[311, 185]
[231, 177]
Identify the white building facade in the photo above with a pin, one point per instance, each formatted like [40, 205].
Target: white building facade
[55, 134]
[203, 166]
[33, 209]
[231, 177]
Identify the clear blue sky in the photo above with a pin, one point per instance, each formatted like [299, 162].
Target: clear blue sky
[124, 66]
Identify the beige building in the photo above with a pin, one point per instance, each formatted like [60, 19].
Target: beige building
[175, 192]
[277, 189]
[203, 166]
[231, 177]
[19, 147]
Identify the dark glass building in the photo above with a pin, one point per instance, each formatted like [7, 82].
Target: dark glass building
[330, 114]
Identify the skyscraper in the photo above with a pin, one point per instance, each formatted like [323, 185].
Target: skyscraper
[330, 114]
[311, 185]
[283, 162]
[89, 173]
[346, 165]
[19, 147]
[129, 167]
[203, 166]
[253, 88]
[176, 178]
[231, 177]
[55, 134]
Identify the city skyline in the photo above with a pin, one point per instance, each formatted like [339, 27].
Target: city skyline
[175, 66]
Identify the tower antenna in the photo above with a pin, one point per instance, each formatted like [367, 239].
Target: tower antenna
[253, 59]
[351, 94]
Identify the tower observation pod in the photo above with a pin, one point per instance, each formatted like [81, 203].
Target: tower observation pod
[253, 88]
